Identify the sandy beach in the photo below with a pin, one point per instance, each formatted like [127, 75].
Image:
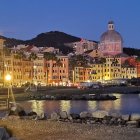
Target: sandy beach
[49, 130]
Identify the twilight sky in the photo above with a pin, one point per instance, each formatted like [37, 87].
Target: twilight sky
[24, 19]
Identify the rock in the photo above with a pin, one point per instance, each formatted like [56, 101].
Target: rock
[106, 122]
[92, 122]
[107, 118]
[113, 121]
[32, 113]
[55, 116]
[115, 115]
[3, 134]
[126, 117]
[77, 121]
[100, 114]
[63, 115]
[135, 117]
[22, 113]
[75, 116]
[70, 118]
[16, 109]
[84, 115]
[42, 116]
[132, 123]
[122, 122]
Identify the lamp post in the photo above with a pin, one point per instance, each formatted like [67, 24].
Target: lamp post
[8, 79]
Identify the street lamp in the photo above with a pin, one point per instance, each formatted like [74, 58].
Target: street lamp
[8, 79]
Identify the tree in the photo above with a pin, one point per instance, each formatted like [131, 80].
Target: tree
[6, 51]
[50, 56]
[77, 60]
[33, 56]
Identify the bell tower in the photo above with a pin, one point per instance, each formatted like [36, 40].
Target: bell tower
[111, 25]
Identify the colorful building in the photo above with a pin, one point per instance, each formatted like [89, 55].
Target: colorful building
[56, 71]
[82, 74]
[1, 62]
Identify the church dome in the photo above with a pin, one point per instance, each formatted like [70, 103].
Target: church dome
[111, 35]
[111, 42]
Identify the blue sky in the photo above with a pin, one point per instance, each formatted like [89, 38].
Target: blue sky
[24, 19]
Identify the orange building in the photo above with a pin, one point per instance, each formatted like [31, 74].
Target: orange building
[82, 74]
[134, 62]
[56, 72]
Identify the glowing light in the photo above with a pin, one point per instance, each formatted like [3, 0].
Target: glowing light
[106, 78]
[35, 67]
[8, 77]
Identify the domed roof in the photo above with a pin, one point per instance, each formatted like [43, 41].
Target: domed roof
[111, 36]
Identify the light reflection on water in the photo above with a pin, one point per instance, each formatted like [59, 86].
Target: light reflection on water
[65, 106]
[37, 106]
[125, 104]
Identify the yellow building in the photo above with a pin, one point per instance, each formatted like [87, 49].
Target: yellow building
[93, 53]
[8, 67]
[1, 62]
[27, 71]
[129, 72]
[38, 70]
[108, 69]
[81, 74]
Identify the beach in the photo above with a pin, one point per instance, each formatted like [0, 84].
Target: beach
[51, 130]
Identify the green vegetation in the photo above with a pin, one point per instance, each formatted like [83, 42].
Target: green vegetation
[132, 51]
[77, 60]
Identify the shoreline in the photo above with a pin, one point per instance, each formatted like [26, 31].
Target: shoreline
[32, 129]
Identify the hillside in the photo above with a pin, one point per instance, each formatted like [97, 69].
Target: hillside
[56, 39]
[132, 51]
[51, 39]
[10, 42]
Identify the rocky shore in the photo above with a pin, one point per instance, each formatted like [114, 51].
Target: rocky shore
[98, 125]
[93, 97]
